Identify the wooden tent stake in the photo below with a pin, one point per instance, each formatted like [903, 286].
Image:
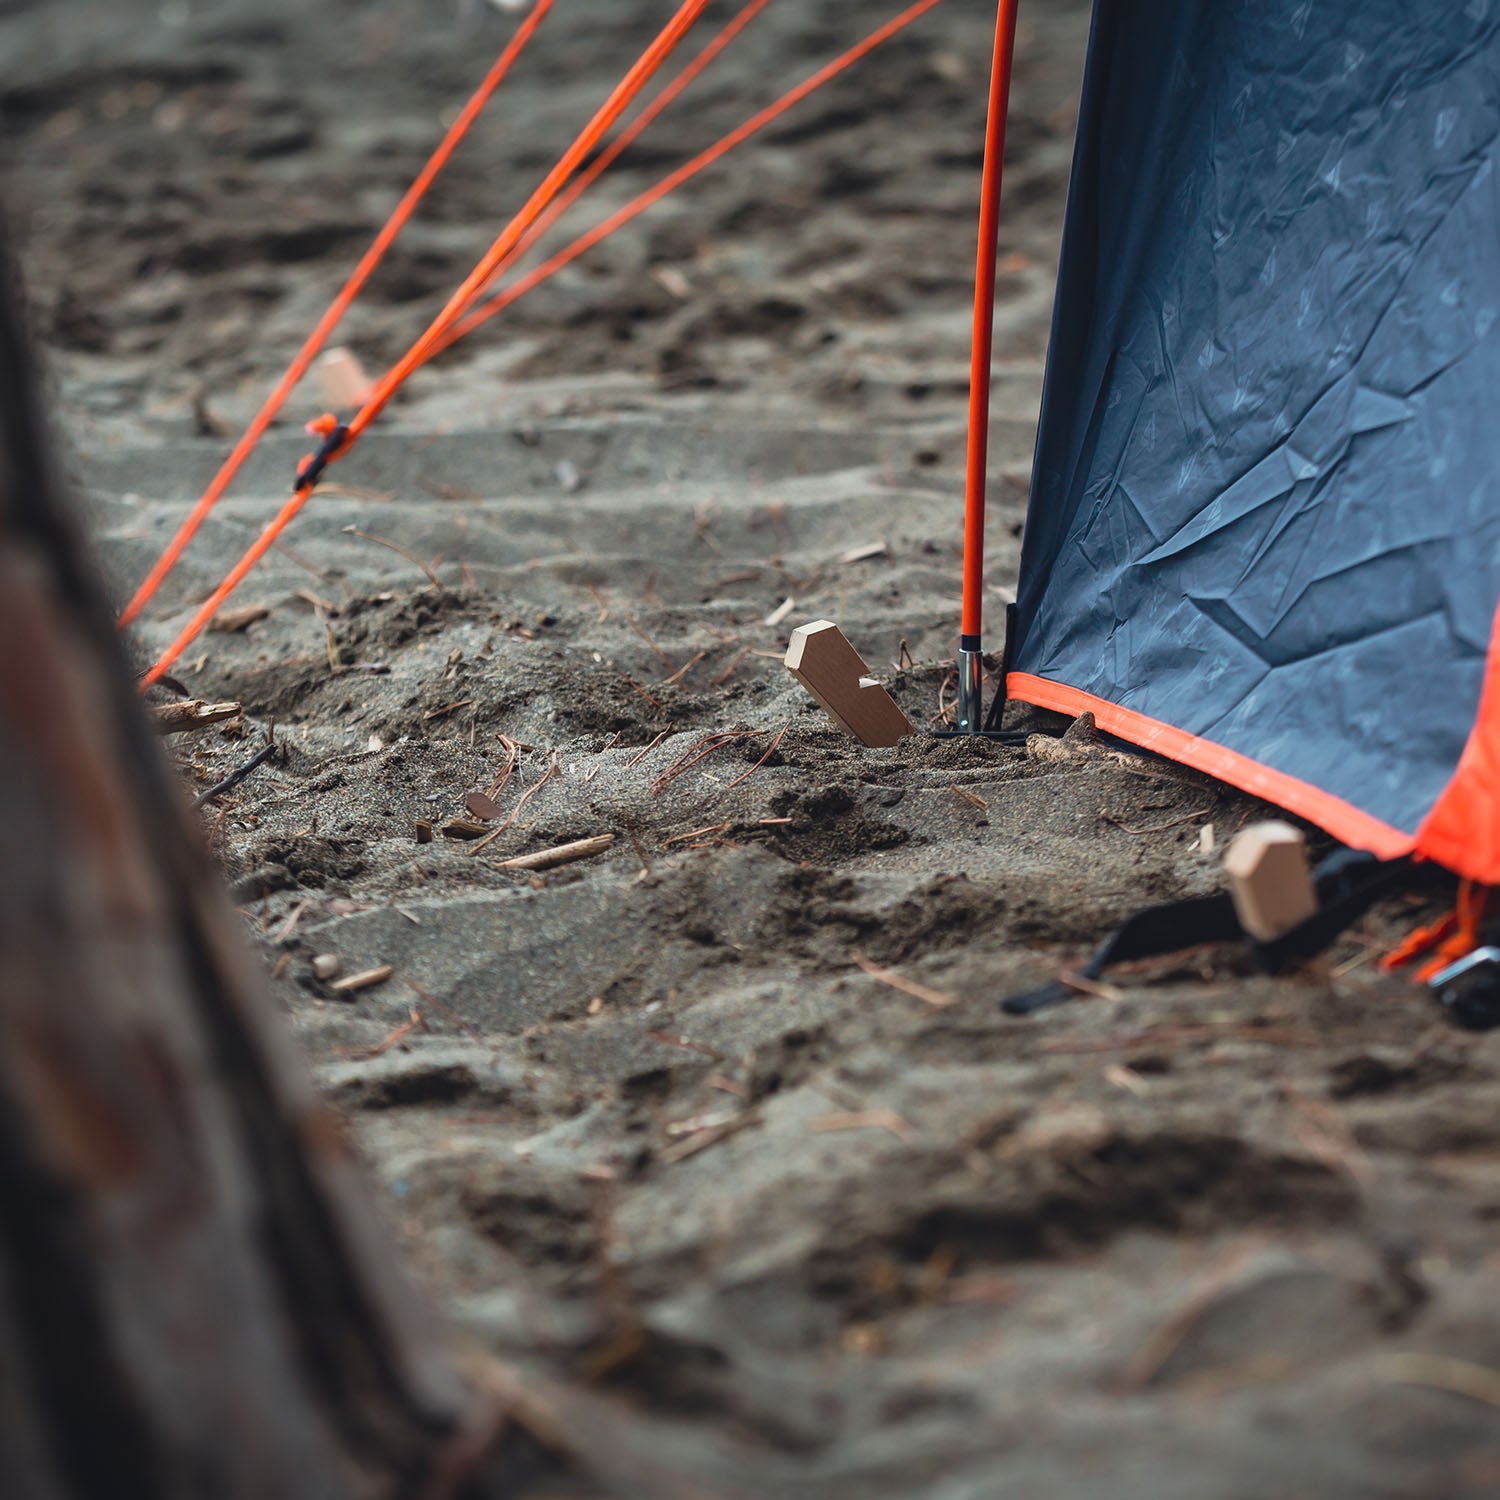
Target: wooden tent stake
[822, 660]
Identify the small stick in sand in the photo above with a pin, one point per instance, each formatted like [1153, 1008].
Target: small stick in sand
[236, 776]
[287, 928]
[230, 621]
[498, 784]
[637, 759]
[366, 979]
[699, 752]
[180, 718]
[654, 702]
[562, 854]
[381, 541]
[553, 770]
[665, 659]
[1140, 833]
[686, 667]
[728, 671]
[864, 1119]
[770, 751]
[710, 1137]
[682, 838]
[413, 1021]
[935, 998]
[668, 1040]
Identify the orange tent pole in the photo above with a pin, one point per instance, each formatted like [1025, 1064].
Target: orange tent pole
[970, 669]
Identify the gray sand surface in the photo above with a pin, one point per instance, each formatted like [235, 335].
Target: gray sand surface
[652, 1132]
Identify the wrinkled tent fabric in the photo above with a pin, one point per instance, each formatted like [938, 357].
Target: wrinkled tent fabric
[1264, 533]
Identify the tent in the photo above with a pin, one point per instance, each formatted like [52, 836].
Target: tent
[1264, 529]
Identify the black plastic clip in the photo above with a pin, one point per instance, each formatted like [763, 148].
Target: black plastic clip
[312, 468]
[1469, 990]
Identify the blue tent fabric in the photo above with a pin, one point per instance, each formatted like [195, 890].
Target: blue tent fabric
[1266, 500]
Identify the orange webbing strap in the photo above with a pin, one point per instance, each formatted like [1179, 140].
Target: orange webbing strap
[1447, 940]
[339, 438]
[675, 179]
[632, 133]
[336, 310]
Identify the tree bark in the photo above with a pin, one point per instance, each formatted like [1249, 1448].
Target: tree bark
[195, 1296]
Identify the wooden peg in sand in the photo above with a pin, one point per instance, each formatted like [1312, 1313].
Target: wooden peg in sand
[1270, 881]
[822, 660]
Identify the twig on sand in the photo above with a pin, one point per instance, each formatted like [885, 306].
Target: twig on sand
[515, 812]
[236, 776]
[682, 838]
[1164, 1342]
[699, 752]
[399, 1034]
[287, 928]
[562, 854]
[400, 551]
[935, 998]
[944, 708]
[971, 797]
[1140, 833]
[654, 702]
[232, 621]
[498, 784]
[710, 1137]
[864, 1119]
[179, 718]
[686, 667]
[728, 671]
[366, 979]
[668, 1040]
[1096, 989]
[1437, 1372]
[770, 751]
[665, 659]
[635, 760]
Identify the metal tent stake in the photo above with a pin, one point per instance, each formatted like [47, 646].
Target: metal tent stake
[970, 646]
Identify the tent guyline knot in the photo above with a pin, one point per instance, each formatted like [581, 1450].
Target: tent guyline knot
[335, 438]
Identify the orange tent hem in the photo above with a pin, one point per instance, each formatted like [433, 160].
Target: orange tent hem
[1343, 820]
[1462, 832]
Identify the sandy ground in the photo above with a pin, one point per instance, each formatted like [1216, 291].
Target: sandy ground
[647, 1126]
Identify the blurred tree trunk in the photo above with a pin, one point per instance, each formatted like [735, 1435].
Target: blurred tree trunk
[195, 1298]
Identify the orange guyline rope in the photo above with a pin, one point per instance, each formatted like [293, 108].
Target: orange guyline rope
[336, 310]
[682, 174]
[338, 438]
[628, 137]
[452, 323]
